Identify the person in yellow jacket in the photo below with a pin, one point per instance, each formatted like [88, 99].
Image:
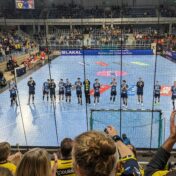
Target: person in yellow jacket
[65, 167]
[156, 166]
[4, 154]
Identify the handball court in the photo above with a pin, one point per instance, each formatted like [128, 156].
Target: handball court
[46, 124]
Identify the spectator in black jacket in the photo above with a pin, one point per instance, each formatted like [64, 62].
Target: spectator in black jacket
[156, 167]
[2, 80]
[10, 64]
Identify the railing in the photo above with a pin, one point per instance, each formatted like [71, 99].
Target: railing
[59, 47]
[89, 21]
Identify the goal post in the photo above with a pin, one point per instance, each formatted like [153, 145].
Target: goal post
[143, 127]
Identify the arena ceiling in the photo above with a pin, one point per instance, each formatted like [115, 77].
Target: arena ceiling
[9, 4]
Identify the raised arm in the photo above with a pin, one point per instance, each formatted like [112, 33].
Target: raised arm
[123, 149]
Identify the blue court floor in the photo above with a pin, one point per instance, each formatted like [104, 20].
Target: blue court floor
[41, 126]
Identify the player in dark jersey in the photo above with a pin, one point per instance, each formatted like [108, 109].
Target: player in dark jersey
[61, 90]
[78, 86]
[124, 93]
[13, 96]
[12, 84]
[87, 90]
[31, 84]
[113, 85]
[157, 89]
[46, 88]
[96, 87]
[13, 92]
[52, 88]
[140, 91]
[173, 90]
[68, 87]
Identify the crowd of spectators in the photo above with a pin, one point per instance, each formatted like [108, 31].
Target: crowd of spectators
[91, 153]
[167, 11]
[94, 37]
[12, 42]
[111, 36]
[75, 37]
[107, 36]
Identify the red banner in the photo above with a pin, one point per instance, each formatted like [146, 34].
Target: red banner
[103, 64]
[166, 91]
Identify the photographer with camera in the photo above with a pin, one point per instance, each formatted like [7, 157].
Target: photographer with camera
[128, 165]
[156, 167]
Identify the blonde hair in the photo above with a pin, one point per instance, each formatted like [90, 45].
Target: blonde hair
[94, 154]
[34, 163]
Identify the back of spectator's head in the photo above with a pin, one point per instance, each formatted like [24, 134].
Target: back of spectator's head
[94, 154]
[4, 151]
[34, 163]
[66, 147]
[5, 172]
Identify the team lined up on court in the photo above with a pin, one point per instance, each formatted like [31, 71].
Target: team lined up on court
[66, 88]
